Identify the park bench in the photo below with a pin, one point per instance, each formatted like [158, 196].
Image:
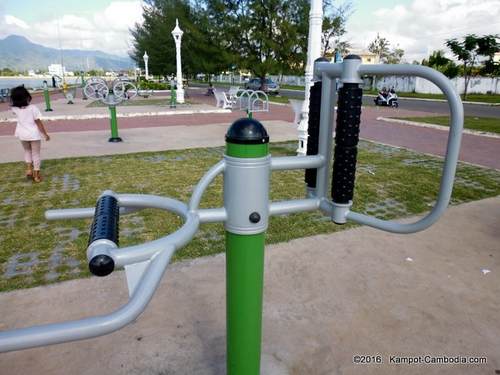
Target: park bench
[4, 94]
[221, 100]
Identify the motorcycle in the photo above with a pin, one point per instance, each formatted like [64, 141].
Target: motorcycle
[389, 99]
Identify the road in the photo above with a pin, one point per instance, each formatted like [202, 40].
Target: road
[424, 105]
[412, 104]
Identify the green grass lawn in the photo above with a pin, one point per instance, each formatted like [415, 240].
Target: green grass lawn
[485, 124]
[292, 87]
[484, 98]
[278, 99]
[391, 183]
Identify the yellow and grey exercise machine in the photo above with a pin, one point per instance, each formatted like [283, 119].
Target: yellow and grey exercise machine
[246, 168]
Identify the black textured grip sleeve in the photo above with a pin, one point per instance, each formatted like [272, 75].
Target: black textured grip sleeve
[313, 130]
[106, 218]
[346, 142]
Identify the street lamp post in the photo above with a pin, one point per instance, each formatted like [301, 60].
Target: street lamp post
[313, 52]
[177, 34]
[146, 59]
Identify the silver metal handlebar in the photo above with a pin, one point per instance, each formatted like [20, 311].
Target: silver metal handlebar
[353, 71]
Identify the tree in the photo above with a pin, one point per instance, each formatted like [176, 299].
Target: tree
[437, 60]
[201, 50]
[395, 56]
[266, 36]
[333, 28]
[380, 47]
[470, 49]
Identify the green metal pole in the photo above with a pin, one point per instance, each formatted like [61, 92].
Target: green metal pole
[84, 97]
[47, 99]
[173, 97]
[244, 285]
[114, 125]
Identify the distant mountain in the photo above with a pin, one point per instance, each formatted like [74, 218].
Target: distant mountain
[17, 52]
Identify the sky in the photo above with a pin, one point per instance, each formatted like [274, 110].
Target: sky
[416, 26]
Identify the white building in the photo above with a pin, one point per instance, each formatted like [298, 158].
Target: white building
[367, 57]
[57, 70]
[496, 58]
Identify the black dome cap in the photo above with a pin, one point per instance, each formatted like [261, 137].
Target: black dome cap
[352, 57]
[247, 131]
[321, 59]
[101, 265]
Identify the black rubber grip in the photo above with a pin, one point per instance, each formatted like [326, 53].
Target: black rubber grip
[313, 130]
[106, 218]
[346, 142]
[105, 226]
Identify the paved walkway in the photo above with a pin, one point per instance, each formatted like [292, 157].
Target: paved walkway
[326, 299]
[95, 142]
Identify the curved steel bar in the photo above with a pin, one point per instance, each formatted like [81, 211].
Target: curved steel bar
[294, 206]
[205, 181]
[57, 333]
[452, 148]
[297, 162]
[212, 215]
[134, 202]
[141, 201]
[177, 239]
[81, 213]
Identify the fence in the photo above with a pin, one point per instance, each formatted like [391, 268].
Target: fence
[479, 85]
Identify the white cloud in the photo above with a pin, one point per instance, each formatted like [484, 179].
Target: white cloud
[14, 21]
[424, 25]
[106, 30]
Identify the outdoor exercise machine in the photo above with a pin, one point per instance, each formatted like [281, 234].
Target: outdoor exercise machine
[46, 96]
[173, 94]
[252, 101]
[82, 84]
[97, 89]
[246, 168]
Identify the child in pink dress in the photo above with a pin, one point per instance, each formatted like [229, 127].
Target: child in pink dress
[29, 130]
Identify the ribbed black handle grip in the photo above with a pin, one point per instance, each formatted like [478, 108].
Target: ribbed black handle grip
[313, 130]
[346, 142]
[106, 218]
[105, 226]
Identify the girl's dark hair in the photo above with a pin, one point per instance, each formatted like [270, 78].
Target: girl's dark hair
[20, 97]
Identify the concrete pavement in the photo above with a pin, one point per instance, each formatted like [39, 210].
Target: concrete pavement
[327, 298]
[95, 142]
